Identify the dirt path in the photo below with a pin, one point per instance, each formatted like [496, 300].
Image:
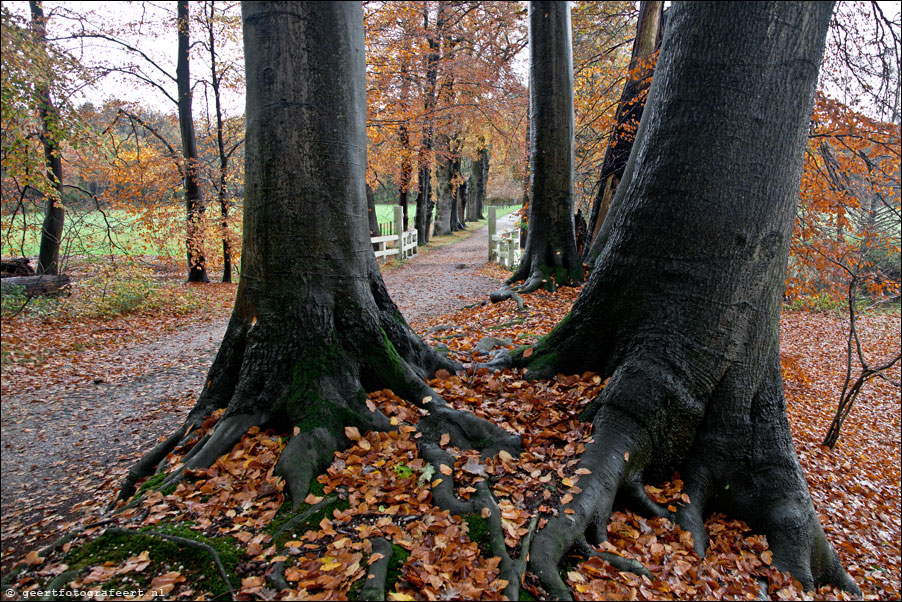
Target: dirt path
[64, 449]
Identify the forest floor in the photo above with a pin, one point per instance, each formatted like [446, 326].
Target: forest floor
[82, 400]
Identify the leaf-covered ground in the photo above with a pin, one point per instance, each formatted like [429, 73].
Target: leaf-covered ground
[380, 488]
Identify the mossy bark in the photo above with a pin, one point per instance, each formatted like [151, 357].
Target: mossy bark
[682, 309]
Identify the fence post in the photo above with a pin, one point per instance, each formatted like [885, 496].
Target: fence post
[493, 226]
[399, 230]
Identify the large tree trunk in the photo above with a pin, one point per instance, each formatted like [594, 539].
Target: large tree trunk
[54, 214]
[629, 109]
[550, 257]
[682, 309]
[312, 329]
[194, 205]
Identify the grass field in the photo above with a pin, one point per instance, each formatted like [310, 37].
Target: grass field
[119, 232]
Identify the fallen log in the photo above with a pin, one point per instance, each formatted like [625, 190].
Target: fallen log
[35, 286]
[16, 267]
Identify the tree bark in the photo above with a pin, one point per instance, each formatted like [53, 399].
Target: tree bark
[682, 308]
[315, 328]
[550, 257]
[444, 172]
[482, 180]
[194, 205]
[222, 176]
[35, 286]
[54, 213]
[372, 218]
[629, 109]
[425, 202]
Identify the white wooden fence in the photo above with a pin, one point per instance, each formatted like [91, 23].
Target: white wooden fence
[504, 246]
[401, 243]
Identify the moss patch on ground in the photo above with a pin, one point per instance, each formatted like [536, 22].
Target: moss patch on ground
[195, 565]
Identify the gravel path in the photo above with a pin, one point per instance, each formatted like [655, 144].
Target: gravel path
[62, 447]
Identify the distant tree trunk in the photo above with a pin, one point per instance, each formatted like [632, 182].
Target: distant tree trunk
[194, 205]
[629, 109]
[313, 329]
[406, 176]
[444, 172]
[682, 309]
[482, 179]
[54, 213]
[463, 197]
[550, 257]
[458, 184]
[222, 176]
[425, 203]
[404, 139]
[470, 167]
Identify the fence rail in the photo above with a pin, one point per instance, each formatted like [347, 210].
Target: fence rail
[504, 246]
[394, 241]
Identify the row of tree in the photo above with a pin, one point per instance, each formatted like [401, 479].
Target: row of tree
[445, 97]
[681, 310]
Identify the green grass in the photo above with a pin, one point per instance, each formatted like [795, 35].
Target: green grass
[120, 232]
[94, 233]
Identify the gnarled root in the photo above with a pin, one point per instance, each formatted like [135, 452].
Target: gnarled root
[510, 569]
[374, 587]
[305, 456]
[148, 464]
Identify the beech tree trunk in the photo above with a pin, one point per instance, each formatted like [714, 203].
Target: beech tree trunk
[629, 109]
[314, 329]
[425, 202]
[444, 172]
[54, 214]
[194, 204]
[222, 176]
[550, 257]
[482, 179]
[682, 309]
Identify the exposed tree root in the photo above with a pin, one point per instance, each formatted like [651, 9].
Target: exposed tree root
[11, 575]
[276, 576]
[300, 518]
[305, 456]
[374, 586]
[182, 541]
[57, 584]
[509, 569]
[148, 464]
[623, 454]
[506, 292]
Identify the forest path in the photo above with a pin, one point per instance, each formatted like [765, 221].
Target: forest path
[444, 279]
[71, 444]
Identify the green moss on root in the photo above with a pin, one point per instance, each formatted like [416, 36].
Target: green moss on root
[152, 482]
[478, 529]
[399, 557]
[197, 567]
[310, 523]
